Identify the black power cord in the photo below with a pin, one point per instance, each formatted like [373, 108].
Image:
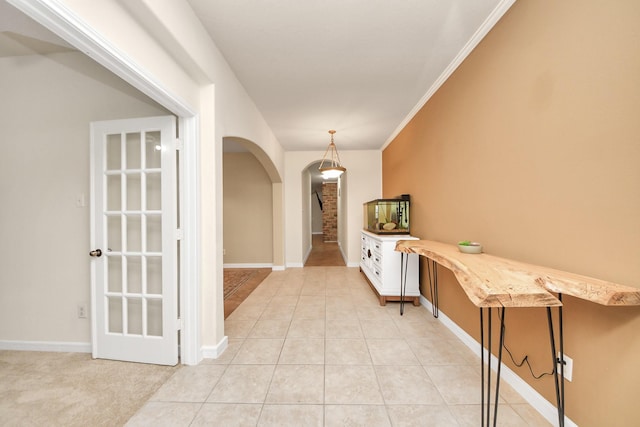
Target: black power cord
[525, 360]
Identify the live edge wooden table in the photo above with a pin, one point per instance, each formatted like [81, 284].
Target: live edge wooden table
[493, 282]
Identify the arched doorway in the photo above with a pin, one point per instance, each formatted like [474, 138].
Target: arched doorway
[252, 210]
[324, 209]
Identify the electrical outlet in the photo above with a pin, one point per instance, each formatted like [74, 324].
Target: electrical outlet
[568, 366]
[82, 311]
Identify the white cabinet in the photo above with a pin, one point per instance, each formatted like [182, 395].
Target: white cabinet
[380, 262]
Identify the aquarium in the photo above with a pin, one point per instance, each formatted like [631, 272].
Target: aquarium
[387, 216]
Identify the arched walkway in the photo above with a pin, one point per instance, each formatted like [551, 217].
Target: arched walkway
[323, 219]
[251, 210]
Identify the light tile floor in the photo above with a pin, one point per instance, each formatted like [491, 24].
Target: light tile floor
[312, 347]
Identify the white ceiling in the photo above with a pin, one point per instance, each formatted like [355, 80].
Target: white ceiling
[357, 66]
[361, 67]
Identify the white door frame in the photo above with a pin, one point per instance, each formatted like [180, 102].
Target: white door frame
[60, 20]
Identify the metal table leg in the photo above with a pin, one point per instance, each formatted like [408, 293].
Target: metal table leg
[486, 403]
[404, 266]
[432, 272]
[558, 374]
[558, 377]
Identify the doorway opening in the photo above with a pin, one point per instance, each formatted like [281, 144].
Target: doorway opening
[251, 212]
[325, 206]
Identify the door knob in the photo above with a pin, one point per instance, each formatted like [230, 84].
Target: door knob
[95, 253]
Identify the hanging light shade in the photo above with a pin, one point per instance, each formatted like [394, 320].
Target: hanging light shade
[332, 169]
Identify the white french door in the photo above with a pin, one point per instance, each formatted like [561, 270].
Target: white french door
[134, 234]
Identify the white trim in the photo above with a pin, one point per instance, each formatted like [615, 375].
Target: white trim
[535, 399]
[353, 264]
[92, 236]
[59, 19]
[62, 21]
[190, 353]
[53, 346]
[295, 265]
[248, 265]
[477, 37]
[213, 352]
[278, 268]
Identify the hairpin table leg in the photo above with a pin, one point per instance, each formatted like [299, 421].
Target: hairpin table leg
[558, 377]
[486, 392]
[432, 273]
[404, 266]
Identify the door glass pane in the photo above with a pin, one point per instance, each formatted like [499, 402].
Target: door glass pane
[114, 155]
[114, 233]
[153, 192]
[154, 275]
[133, 151]
[154, 317]
[133, 192]
[134, 316]
[114, 307]
[153, 150]
[114, 192]
[134, 233]
[134, 274]
[114, 271]
[154, 233]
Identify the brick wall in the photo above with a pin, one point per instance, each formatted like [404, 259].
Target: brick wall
[330, 211]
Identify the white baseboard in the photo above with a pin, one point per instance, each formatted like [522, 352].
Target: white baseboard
[535, 399]
[295, 264]
[278, 268]
[53, 346]
[213, 352]
[248, 265]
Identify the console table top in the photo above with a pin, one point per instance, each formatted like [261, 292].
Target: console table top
[491, 281]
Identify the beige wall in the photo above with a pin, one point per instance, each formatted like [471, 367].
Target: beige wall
[165, 47]
[247, 210]
[46, 106]
[532, 147]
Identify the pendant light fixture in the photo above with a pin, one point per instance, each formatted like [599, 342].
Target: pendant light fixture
[333, 169]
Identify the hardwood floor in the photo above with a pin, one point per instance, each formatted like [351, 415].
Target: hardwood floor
[324, 254]
[232, 302]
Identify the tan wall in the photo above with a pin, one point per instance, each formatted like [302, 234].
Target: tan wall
[532, 147]
[247, 210]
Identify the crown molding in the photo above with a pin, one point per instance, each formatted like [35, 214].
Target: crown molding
[477, 37]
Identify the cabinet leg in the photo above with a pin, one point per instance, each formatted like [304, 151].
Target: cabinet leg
[383, 300]
[416, 302]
